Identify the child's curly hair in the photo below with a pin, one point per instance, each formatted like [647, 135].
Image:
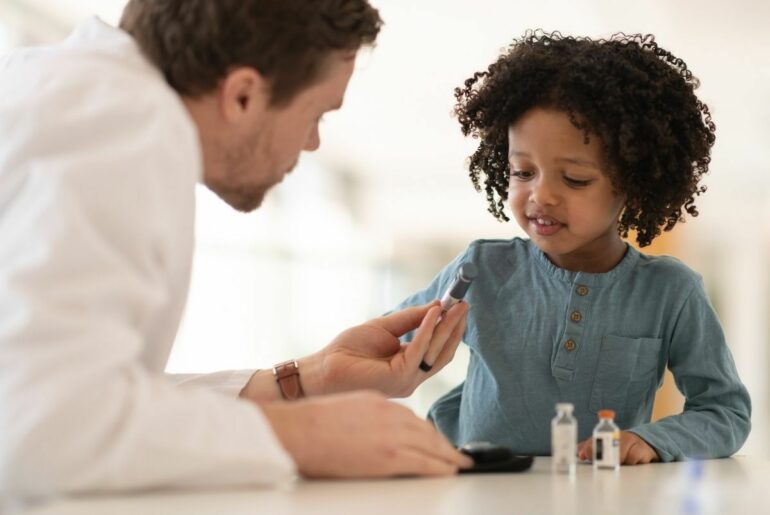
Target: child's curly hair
[635, 96]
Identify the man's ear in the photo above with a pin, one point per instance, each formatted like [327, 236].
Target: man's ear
[242, 93]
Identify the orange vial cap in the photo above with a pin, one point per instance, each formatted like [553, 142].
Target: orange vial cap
[606, 413]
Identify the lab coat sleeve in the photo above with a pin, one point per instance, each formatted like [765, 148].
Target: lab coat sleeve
[227, 382]
[83, 277]
[717, 413]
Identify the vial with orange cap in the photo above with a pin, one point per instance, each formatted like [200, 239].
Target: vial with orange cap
[606, 442]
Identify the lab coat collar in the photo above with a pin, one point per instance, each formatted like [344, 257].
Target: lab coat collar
[105, 38]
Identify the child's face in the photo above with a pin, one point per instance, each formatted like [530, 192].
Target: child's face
[559, 193]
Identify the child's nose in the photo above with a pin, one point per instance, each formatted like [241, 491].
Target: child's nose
[544, 193]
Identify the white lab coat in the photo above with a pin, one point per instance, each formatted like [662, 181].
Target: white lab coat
[98, 164]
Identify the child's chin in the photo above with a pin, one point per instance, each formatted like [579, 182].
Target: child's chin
[551, 246]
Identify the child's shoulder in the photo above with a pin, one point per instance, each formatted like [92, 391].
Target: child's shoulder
[500, 258]
[497, 249]
[667, 269]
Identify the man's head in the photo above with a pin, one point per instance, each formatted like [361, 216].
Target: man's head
[255, 75]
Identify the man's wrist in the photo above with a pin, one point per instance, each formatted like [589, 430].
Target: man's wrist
[287, 376]
[263, 387]
[311, 375]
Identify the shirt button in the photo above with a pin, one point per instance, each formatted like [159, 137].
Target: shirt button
[570, 345]
[576, 316]
[582, 290]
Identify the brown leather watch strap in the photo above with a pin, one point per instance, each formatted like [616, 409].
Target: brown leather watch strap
[287, 376]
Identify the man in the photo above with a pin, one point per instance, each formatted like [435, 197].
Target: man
[104, 139]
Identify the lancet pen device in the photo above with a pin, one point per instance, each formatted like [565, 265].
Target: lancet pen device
[456, 291]
[453, 295]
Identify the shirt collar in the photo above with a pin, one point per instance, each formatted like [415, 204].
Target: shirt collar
[629, 261]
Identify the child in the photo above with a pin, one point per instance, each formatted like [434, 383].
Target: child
[588, 140]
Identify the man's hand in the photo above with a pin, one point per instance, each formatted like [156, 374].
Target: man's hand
[360, 435]
[633, 450]
[370, 356]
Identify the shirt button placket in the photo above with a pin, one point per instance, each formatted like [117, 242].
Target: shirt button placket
[567, 355]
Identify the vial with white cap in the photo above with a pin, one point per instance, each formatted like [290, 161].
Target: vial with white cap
[564, 439]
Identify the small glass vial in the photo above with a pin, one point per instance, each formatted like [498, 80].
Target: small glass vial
[564, 439]
[606, 442]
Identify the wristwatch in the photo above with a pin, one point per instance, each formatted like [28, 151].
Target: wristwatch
[287, 376]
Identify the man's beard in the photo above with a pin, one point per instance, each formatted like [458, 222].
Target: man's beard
[243, 200]
[239, 162]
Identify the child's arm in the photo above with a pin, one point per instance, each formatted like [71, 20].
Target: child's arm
[717, 412]
[445, 413]
[436, 288]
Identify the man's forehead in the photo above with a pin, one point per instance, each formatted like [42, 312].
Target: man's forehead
[330, 91]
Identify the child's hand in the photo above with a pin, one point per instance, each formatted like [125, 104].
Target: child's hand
[633, 450]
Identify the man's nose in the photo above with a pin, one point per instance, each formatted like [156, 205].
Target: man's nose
[313, 140]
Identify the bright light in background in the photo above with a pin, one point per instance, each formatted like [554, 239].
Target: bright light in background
[67, 13]
[386, 202]
[284, 279]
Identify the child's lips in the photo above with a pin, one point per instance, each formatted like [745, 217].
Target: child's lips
[545, 225]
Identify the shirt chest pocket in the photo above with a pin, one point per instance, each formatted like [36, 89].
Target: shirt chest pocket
[626, 372]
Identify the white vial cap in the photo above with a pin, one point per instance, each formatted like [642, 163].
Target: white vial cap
[565, 406]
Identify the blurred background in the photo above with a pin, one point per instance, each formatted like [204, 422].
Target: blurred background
[386, 202]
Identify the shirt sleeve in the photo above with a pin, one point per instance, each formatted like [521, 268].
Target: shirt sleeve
[434, 290]
[717, 413]
[445, 413]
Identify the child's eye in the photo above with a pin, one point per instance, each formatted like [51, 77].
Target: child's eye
[576, 183]
[522, 175]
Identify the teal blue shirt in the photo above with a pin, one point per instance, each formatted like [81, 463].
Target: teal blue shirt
[539, 334]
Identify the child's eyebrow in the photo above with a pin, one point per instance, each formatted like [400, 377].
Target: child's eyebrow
[579, 162]
[574, 160]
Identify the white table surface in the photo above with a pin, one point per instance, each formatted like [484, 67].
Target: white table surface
[735, 485]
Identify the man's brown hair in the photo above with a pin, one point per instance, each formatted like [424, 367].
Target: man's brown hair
[195, 43]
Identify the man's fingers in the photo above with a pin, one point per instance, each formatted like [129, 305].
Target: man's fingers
[448, 352]
[421, 448]
[433, 442]
[403, 321]
[416, 350]
[424, 438]
[444, 332]
[410, 462]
